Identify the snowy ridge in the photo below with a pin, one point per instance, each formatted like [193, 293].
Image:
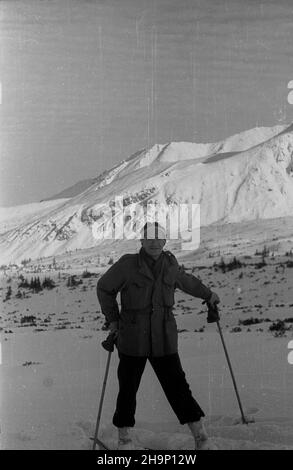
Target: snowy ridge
[12, 217]
[245, 177]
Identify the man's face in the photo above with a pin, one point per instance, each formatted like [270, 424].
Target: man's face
[153, 246]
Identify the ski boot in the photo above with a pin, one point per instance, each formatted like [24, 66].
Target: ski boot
[124, 439]
[201, 438]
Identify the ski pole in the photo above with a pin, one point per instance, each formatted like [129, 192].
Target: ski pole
[213, 316]
[108, 345]
[244, 420]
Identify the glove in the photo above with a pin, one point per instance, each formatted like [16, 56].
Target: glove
[111, 339]
[213, 300]
[109, 342]
[213, 313]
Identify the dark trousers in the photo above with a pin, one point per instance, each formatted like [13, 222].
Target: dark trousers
[169, 371]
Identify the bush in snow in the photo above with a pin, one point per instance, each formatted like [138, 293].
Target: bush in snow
[35, 284]
[261, 264]
[253, 321]
[8, 293]
[279, 328]
[72, 282]
[48, 283]
[236, 329]
[87, 273]
[24, 283]
[24, 262]
[18, 295]
[265, 252]
[224, 267]
[28, 319]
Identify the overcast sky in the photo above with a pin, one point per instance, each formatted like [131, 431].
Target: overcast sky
[86, 83]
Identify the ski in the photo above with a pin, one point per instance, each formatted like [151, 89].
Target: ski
[100, 444]
[105, 447]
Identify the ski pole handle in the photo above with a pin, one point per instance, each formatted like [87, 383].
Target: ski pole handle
[213, 312]
[110, 341]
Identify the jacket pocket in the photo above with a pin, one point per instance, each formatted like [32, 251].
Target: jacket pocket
[134, 337]
[136, 295]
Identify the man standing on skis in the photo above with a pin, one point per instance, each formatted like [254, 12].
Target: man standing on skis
[146, 329]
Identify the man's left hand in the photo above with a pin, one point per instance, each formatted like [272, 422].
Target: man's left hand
[213, 300]
[213, 313]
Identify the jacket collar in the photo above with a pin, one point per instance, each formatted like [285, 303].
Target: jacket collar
[143, 266]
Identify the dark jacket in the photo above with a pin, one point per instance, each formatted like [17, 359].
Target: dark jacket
[146, 323]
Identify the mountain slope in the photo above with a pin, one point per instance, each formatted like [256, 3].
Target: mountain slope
[244, 177]
[174, 151]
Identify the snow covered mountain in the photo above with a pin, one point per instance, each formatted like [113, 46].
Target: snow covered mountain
[244, 177]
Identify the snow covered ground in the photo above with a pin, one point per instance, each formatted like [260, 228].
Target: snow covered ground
[53, 404]
[53, 363]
